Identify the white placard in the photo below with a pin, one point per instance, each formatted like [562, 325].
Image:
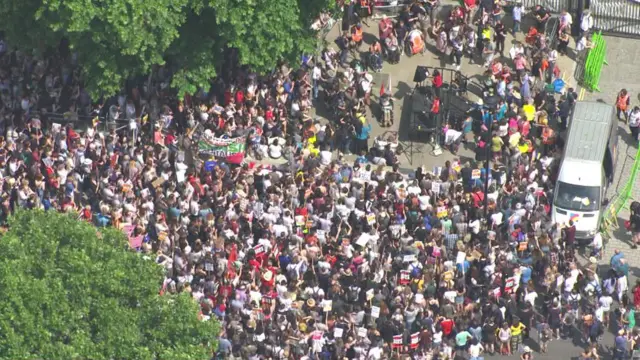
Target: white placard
[327, 305]
[375, 312]
[462, 256]
[409, 258]
[435, 187]
[369, 294]
[362, 332]
[363, 240]
[337, 332]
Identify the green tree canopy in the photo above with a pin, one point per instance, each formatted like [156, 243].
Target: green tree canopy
[117, 39]
[71, 293]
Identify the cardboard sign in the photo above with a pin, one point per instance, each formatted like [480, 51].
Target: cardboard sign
[375, 312]
[158, 182]
[405, 277]
[337, 332]
[371, 219]
[362, 332]
[476, 174]
[442, 212]
[435, 187]
[327, 305]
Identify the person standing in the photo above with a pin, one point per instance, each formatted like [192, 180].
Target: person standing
[620, 345]
[586, 23]
[634, 123]
[622, 104]
[499, 37]
[518, 10]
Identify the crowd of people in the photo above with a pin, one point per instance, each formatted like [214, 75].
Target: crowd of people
[321, 257]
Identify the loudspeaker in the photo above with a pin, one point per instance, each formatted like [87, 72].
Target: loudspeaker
[421, 74]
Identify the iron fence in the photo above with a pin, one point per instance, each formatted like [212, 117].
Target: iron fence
[616, 17]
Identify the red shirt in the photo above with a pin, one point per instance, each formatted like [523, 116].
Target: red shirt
[437, 81]
[435, 107]
[470, 3]
[447, 326]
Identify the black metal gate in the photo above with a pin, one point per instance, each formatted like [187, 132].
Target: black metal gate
[616, 17]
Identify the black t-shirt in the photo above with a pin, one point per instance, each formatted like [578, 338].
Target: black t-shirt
[487, 5]
[542, 12]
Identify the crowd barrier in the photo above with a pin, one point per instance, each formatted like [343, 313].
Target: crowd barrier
[609, 221]
[594, 62]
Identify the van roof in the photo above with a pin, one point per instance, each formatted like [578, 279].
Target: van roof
[589, 131]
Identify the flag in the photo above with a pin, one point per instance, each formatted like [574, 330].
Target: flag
[95, 121]
[415, 340]
[386, 88]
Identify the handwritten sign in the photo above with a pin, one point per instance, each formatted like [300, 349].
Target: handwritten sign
[435, 187]
[327, 305]
[362, 332]
[337, 332]
[371, 218]
[375, 312]
[442, 212]
[476, 173]
[320, 234]
[409, 258]
[461, 257]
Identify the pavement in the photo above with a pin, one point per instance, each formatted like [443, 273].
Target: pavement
[621, 73]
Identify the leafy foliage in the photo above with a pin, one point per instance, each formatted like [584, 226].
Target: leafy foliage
[71, 294]
[117, 39]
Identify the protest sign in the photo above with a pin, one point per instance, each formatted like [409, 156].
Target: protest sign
[232, 150]
[375, 312]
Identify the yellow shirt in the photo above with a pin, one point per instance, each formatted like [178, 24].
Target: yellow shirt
[496, 144]
[524, 148]
[517, 330]
[529, 112]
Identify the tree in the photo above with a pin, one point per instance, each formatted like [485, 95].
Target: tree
[118, 39]
[69, 292]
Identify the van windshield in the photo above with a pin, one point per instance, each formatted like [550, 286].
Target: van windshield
[577, 197]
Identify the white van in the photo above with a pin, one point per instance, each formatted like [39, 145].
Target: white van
[587, 167]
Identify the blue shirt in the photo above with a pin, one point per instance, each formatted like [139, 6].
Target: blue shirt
[621, 343]
[525, 275]
[615, 260]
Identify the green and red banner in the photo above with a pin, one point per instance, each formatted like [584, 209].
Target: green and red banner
[232, 150]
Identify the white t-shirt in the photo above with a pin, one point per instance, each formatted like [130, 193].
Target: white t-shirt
[634, 119]
[316, 74]
[605, 302]
[475, 350]
[531, 297]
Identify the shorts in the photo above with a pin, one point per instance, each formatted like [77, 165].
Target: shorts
[459, 300]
